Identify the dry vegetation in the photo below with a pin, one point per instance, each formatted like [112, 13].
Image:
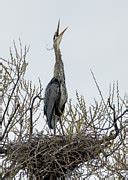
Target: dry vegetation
[94, 140]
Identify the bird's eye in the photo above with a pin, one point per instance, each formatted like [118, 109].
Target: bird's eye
[55, 36]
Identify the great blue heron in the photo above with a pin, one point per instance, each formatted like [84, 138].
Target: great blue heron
[56, 92]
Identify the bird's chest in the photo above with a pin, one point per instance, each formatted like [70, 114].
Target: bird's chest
[63, 95]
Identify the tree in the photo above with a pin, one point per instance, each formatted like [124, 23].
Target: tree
[94, 140]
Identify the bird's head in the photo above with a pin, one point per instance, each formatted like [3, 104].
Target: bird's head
[58, 36]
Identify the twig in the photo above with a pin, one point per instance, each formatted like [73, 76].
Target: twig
[31, 112]
[18, 105]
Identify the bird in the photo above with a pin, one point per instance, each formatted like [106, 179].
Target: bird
[56, 92]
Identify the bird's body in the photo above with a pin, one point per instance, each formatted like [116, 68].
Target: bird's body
[56, 92]
[55, 100]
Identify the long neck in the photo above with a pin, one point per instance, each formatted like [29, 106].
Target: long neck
[59, 66]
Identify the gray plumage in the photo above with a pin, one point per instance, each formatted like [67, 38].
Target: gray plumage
[56, 92]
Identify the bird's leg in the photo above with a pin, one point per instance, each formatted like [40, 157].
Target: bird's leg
[54, 131]
[55, 123]
[61, 125]
[54, 127]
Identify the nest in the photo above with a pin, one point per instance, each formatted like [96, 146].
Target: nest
[44, 156]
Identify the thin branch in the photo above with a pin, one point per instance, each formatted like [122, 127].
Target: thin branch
[10, 99]
[18, 105]
[31, 112]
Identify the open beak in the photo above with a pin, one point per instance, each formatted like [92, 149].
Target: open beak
[57, 32]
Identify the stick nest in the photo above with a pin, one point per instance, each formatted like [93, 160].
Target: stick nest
[44, 155]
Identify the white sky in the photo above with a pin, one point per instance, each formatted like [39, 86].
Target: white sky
[97, 38]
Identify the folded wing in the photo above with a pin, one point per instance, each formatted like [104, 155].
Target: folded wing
[51, 101]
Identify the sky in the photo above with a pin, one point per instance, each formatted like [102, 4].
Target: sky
[97, 39]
